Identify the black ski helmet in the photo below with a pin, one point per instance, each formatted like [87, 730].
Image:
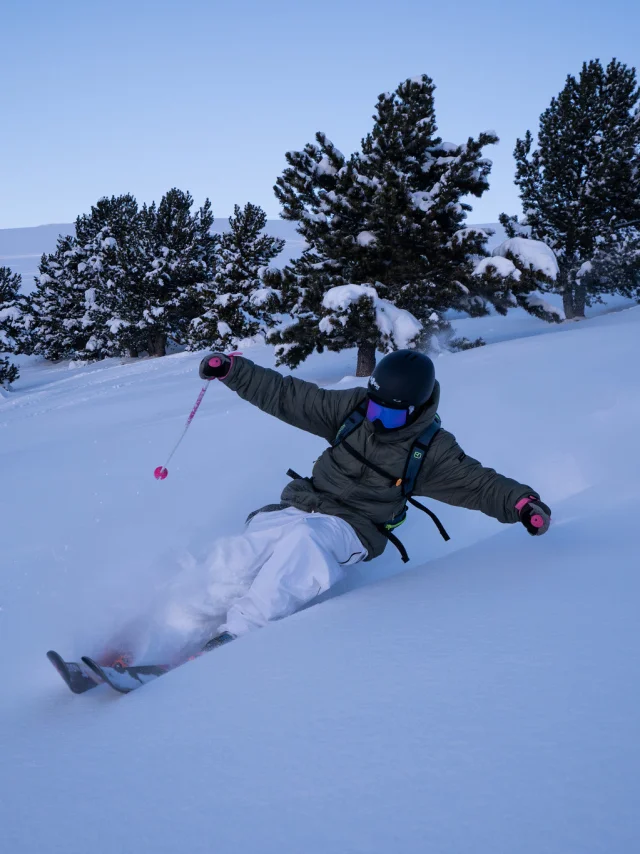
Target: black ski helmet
[402, 379]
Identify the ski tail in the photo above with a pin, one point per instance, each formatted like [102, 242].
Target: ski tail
[75, 676]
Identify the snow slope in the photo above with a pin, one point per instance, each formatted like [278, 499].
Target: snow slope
[485, 700]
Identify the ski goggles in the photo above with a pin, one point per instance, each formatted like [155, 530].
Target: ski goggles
[388, 417]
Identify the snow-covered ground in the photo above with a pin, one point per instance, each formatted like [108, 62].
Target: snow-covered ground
[484, 701]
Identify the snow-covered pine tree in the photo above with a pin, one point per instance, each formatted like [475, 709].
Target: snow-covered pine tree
[53, 316]
[112, 237]
[388, 220]
[8, 371]
[615, 267]
[9, 322]
[149, 267]
[518, 274]
[182, 263]
[237, 304]
[581, 183]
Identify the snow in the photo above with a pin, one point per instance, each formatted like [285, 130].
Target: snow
[324, 167]
[366, 238]
[470, 231]
[536, 299]
[340, 298]
[498, 266]
[12, 313]
[532, 253]
[423, 200]
[314, 217]
[585, 268]
[116, 325]
[397, 326]
[261, 295]
[483, 701]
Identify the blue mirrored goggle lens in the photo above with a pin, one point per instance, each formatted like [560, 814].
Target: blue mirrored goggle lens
[388, 417]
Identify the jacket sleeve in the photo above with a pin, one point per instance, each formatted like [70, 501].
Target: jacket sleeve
[300, 403]
[451, 476]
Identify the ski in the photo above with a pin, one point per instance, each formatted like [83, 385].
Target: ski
[74, 675]
[125, 679]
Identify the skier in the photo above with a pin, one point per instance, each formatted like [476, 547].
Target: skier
[386, 446]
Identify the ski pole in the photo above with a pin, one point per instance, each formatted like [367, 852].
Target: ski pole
[161, 471]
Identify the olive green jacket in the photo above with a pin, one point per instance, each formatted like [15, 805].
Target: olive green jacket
[342, 486]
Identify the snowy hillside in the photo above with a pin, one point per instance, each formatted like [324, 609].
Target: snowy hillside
[483, 701]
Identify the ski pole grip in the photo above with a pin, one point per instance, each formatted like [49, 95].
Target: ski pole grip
[215, 362]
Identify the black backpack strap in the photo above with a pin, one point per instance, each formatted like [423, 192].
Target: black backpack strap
[417, 456]
[352, 423]
[394, 541]
[412, 470]
[432, 516]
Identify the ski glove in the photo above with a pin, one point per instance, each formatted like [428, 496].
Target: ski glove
[215, 366]
[534, 515]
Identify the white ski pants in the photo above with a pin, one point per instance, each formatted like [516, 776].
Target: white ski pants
[284, 559]
[297, 556]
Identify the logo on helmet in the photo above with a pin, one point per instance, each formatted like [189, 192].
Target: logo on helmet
[372, 382]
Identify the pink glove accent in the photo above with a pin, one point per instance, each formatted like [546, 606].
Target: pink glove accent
[216, 362]
[523, 503]
[537, 521]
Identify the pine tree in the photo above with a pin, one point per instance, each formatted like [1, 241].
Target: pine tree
[388, 219]
[614, 267]
[75, 310]
[9, 322]
[150, 265]
[53, 320]
[183, 256]
[125, 284]
[581, 184]
[237, 303]
[112, 238]
[518, 274]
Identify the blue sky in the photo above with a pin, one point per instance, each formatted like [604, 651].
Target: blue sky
[139, 96]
